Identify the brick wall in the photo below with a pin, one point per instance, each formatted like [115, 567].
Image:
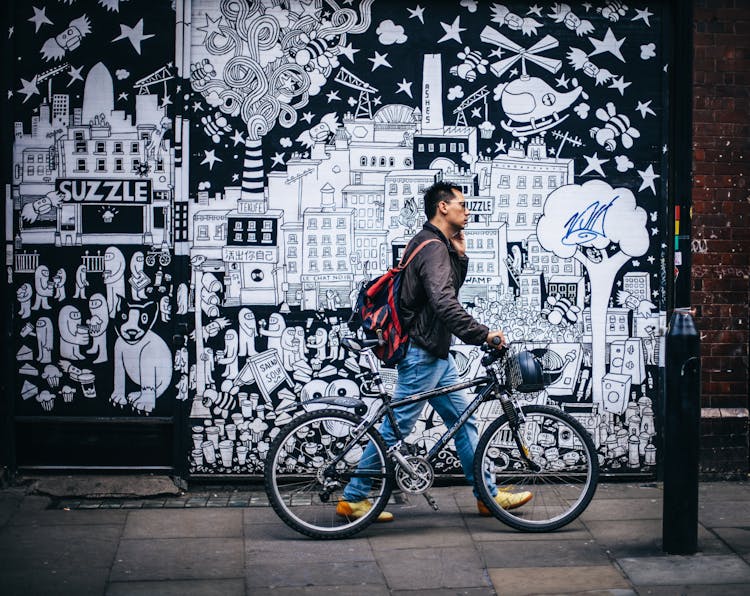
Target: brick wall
[721, 228]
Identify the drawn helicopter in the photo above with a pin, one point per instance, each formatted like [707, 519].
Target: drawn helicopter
[531, 104]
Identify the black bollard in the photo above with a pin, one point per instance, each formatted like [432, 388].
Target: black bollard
[681, 435]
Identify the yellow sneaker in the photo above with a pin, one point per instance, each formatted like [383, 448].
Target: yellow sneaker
[506, 500]
[358, 509]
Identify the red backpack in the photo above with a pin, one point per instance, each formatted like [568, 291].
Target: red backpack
[378, 312]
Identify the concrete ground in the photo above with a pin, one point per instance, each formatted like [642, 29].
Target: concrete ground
[165, 542]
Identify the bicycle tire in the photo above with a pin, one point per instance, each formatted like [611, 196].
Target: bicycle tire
[565, 483]
[294, 473]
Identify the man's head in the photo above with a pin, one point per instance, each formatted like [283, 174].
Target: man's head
[444, 203]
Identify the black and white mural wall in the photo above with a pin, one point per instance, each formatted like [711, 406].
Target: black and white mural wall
[315, 126]
[232, 171]
[90, 200]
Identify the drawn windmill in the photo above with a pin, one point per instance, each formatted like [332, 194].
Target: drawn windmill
[364, 105]
[529, 102]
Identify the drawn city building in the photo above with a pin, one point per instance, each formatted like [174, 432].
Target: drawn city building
[292, 232]
[521, 179]
[327, 241]
[638, 284]
[487, 249]
[530, 288]
[548, 262]
[404, 199]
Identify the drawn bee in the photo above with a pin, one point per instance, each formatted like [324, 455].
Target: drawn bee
[613, 10]
[558, 309]
[562, 13]
[215, 126]
[472, 62]
[615, 125]
[317, 52]
[201, 73]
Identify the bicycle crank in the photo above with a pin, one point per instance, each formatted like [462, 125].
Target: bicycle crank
[416, 480]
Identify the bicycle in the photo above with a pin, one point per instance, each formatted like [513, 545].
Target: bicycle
[529, 447]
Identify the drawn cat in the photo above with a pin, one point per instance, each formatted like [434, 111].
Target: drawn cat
[140, 353]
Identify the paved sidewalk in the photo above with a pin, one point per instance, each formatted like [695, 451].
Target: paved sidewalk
[614, 548]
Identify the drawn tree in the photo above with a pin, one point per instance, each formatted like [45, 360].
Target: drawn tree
[602, 228]
[262, 63]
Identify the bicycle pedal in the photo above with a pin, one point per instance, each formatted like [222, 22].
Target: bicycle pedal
[431, 500]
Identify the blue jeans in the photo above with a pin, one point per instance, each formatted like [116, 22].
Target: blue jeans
[421, 371]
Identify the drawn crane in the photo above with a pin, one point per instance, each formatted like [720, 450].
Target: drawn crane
[364, 105]
[159, 76]
[478, 95]
[48, 75]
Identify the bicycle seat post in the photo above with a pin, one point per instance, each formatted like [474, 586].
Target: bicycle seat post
[373, 366]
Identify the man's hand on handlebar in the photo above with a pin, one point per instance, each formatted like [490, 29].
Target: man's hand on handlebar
[496, 339]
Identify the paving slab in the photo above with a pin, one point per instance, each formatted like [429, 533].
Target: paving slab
[738, 539]
[676, 570]
[61, 517]
[9, 503]
[725, 513]
[696, 590]
[522, 581]
[288, 573]
[178, 558]
[433, 568]
[490, 529]
[394, 538]
[543, 553]
[347, 590]
[483, 591]
[206, 587]
[57, 548]
[619, 490]
[727, 491]
[45, 581]
[639, 538]
[623, 509]
[189, 523]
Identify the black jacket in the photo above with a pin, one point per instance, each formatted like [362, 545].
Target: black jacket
[429, 295]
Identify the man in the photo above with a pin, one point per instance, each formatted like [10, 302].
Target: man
[432, 314]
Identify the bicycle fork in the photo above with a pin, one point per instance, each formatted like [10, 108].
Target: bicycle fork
[515, 417]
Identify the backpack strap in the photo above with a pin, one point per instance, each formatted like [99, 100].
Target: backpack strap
[413, 254]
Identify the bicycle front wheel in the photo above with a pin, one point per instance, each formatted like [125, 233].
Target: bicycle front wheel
[561, 478]
[310, 462]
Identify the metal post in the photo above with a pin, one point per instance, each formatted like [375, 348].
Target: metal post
[681, 435]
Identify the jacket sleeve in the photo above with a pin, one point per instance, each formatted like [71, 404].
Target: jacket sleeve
[434, 270]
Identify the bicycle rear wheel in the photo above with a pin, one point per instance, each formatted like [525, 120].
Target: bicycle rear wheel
[563, 483]
[304, 485]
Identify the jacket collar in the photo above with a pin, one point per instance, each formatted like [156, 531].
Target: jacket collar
[435, 230]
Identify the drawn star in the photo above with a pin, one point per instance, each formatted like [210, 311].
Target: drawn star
[379, 60]
[377, 101]
[644, 109]
[476, 112]
[608, 44]
[664, 148]
[636, 263]
[278, 160]
[651, 259]
[452, 31]
[134, 34]
[620, 84]
[210, 158]
[197, 107]
[235, 177]
[499, 146]
[352, 102]
[210, 27]
[39, 18]
[594, 164]
[307, 117]
[405, 86]
[562, 81]
[28, 88]
[417, 13]
[237, 138]
[514, 72]
[348, 51]
[333, 96]
[75, 75]
[654, 231]
[648, 178]
[123, 96]
[655, 293]
[10, 32]
[497, 52]
[643, 15]
[166, 101]
[534, 10]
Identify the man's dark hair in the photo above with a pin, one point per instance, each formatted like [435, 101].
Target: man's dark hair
[440, 191]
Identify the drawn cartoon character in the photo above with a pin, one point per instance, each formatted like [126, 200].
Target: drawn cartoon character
[58, 282]
[98, 327]
[44, 288]
[24, 295]
[228, 356]
[182, 299]
[73, 333]
[318, 342]
[273, 331]
[248, 332]
[81, 282]
[45, 338]
[142, 355]
[55, 47]
[289, 344]
[138, 280]
[31, 211]
[114, 270]
[473, 62]
[165, 309]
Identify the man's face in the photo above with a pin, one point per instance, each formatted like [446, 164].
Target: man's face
[457, 214]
